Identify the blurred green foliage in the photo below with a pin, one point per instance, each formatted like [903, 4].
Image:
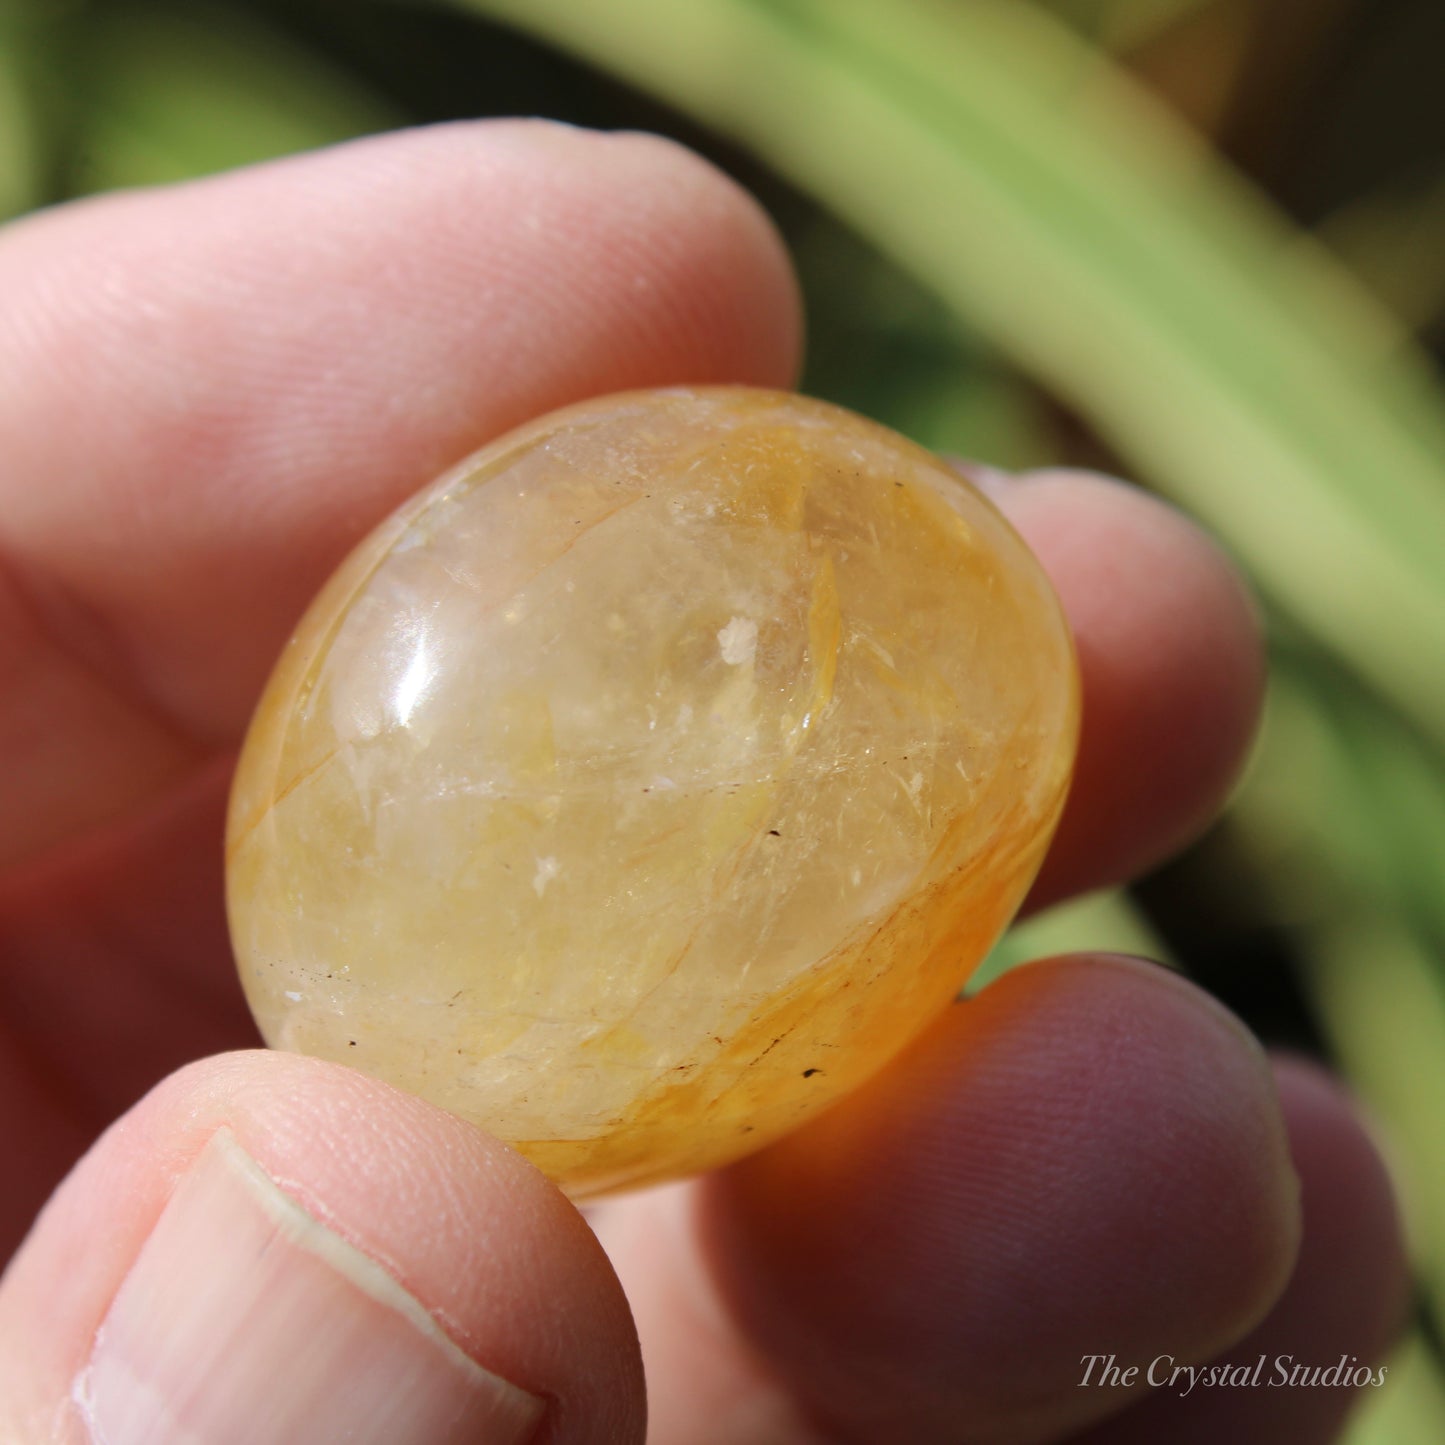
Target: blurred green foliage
[1031, 233]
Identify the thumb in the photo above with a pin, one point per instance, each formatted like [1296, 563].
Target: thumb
[271, 1248]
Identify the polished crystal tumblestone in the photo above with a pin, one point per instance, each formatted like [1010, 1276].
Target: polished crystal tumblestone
[648, 781]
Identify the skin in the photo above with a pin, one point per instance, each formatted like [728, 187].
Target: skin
[207, 394]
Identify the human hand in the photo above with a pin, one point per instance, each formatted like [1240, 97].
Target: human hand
[206, 395]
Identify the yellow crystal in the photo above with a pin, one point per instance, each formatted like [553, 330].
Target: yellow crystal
[648, 781]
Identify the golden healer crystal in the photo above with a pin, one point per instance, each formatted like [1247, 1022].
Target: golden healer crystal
[648, 781]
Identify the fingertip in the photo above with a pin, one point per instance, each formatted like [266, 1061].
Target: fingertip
[1086, 1157]
[258, 1211]
[733, 252]
[1171, 658]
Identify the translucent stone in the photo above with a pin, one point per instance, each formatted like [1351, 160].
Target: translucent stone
[647, 782]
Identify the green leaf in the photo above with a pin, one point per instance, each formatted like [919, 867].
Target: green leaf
[1332, 847]
[880, 344]
[19, 169]
[180, 91]
[1409, 1407]
[22, 116]
[1383, 1005]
